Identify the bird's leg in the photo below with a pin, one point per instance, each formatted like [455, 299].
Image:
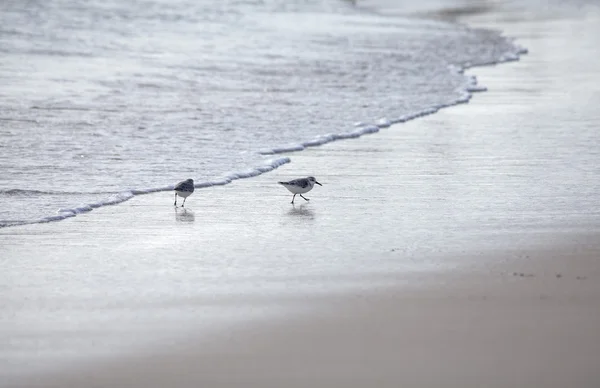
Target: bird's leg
[175, 204]
[183, 202]
[293, 198]
[306, 199]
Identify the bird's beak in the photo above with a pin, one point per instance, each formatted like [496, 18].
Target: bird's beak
[318, 183]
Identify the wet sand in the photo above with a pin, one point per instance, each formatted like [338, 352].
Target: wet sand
[456, 250]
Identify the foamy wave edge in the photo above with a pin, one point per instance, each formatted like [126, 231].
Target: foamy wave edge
[361, 129]
[123, 196]
[368, 128]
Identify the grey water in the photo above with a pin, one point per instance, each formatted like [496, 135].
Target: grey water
[98, 98]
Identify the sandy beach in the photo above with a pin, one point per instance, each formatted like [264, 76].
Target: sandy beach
[470, 242]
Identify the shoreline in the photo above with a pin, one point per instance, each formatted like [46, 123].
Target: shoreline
[281, 155]
[456, 271]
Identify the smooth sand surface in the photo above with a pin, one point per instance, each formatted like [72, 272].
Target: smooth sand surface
[457, 250]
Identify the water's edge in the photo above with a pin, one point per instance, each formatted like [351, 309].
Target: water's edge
[359, 130]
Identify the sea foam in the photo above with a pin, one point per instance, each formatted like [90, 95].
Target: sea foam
[360, 129]
[471, 86]
[213, 106]
[117, 198]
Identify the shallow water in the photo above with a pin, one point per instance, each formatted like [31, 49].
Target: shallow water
[469, 187]
[103, 100]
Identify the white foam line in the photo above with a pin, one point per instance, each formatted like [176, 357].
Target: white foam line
[362, 129]
[367, 128]
[324, 139]
[121, 197]
[383, 123]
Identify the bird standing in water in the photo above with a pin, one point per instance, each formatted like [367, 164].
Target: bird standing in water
[184, 189]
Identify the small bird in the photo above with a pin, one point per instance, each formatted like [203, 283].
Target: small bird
[184, 189]
[300, 186]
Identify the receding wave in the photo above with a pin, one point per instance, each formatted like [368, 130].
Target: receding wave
[360, 129]
[366, 128]
[268, 78]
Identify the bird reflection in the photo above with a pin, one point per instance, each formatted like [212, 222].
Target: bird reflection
[301, 211]
[184, 215]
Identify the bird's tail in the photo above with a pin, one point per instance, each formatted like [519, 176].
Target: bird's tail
[282, 183]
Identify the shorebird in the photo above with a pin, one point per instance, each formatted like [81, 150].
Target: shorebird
[300, 186]
[184, 189]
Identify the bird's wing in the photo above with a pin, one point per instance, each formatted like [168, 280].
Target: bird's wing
[302, 182]
[184, 186]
